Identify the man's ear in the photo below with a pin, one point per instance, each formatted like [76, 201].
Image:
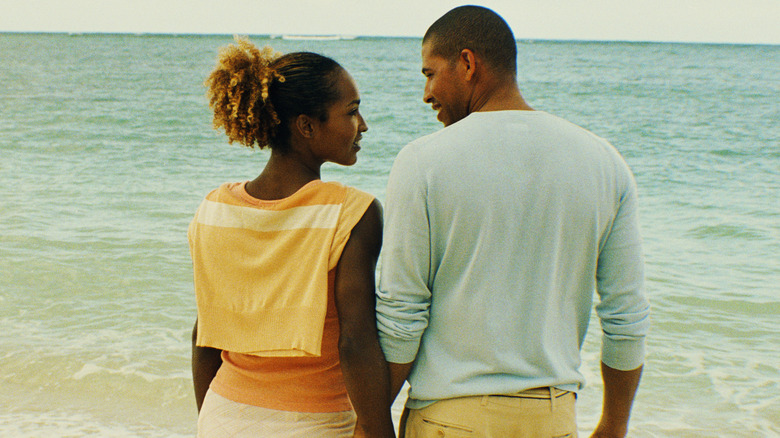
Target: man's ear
[304, 126]
[468, 62]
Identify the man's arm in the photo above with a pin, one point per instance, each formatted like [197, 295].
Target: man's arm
[205, 363]
[404, 293]
[619, 391]
[365, 371]
[624, 312]
[399, 372]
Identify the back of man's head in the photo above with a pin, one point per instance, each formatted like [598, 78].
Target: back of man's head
[478, 29]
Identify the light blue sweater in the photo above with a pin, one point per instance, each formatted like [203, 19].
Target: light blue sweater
[498, 229]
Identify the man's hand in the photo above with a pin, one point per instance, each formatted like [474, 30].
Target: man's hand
[604, 430]
[619, 391]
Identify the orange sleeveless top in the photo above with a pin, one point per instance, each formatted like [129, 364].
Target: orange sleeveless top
[264, 279]
[300, 384]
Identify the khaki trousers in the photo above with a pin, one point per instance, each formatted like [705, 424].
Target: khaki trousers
[536, 413]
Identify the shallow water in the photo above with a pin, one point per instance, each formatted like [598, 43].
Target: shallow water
[107, 150]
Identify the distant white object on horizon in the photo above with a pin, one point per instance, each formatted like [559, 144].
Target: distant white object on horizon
[318, 37]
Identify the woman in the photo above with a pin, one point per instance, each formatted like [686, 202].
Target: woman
[285, 341]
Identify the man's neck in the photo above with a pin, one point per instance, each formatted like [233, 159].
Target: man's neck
[504, 96]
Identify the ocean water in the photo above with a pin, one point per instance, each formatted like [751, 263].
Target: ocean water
[107, 149]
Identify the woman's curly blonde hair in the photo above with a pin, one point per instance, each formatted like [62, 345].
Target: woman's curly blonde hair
[238, 93]
[254, 93]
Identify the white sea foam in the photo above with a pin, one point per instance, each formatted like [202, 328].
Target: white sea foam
[69, 425]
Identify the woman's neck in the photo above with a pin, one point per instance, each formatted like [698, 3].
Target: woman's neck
[283, 175]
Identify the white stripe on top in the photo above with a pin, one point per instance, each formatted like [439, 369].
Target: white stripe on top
[233, 216]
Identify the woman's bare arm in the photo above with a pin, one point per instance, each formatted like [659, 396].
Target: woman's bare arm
[362, 361]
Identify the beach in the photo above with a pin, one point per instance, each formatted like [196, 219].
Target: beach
[108, 149]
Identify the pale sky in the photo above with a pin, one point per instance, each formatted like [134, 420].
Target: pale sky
[717, 21]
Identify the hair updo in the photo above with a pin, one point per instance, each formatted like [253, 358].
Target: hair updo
[255, 94]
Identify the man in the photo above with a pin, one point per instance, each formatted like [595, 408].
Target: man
[499, 227]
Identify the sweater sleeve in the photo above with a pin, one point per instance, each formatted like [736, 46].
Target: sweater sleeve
[404, 296]
[623, 308]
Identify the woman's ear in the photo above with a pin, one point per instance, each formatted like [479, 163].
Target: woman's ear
[304, 125]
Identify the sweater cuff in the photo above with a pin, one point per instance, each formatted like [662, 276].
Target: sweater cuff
[623, 354]
[399, 350]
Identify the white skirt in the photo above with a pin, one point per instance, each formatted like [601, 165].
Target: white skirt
[221, 418]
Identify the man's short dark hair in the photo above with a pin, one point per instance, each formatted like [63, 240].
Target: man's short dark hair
[478, 29]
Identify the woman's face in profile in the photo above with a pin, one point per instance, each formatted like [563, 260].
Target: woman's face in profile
[340, 135]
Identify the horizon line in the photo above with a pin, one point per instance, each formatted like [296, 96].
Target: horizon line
[348, 37]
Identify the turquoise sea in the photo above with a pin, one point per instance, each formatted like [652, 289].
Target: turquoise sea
[107, 149]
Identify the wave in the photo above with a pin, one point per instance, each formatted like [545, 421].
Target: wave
[726, 231]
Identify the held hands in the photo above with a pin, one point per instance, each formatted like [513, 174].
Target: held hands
[362, 432]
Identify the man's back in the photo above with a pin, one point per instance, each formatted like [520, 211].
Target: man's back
[498, 223]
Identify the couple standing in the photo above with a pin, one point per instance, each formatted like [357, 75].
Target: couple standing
[498, 229]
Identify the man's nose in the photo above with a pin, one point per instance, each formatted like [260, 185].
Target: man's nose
[427, 97]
